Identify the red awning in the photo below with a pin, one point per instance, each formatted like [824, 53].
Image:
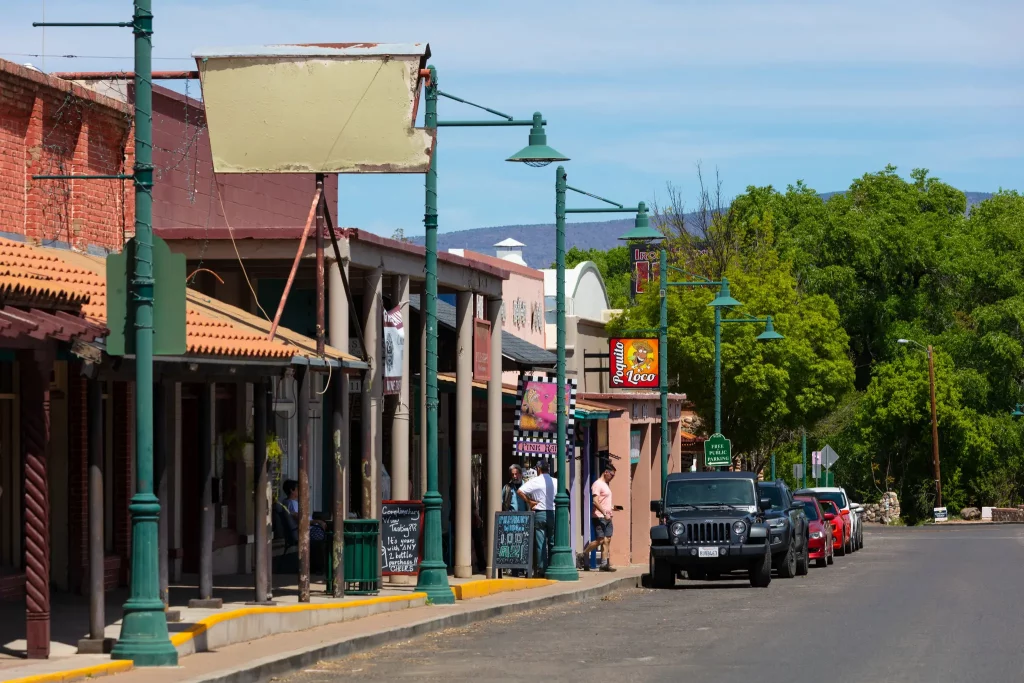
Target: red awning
[38, 324]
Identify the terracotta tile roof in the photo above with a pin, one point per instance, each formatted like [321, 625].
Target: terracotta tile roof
[212, 328]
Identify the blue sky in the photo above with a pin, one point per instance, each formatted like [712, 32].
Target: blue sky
[635, 93]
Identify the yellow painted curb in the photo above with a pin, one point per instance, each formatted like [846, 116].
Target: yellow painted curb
[120, 666]
[204, 625]
[485, 587]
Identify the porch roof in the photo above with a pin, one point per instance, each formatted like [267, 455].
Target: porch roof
[212, 328]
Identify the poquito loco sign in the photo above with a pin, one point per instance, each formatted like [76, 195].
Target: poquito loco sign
[634, 363]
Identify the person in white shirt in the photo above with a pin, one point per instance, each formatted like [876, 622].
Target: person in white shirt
[539, 494]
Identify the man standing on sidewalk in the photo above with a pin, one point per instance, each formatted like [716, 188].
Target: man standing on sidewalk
[602, 519]
[509, 499]
[539, 494]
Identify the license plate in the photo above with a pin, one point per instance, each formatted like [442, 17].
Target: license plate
[707, 552]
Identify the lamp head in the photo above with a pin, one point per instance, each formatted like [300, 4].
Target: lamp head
[1017, 412]
[769, 332]
[642, 230]
[537, 153]
[724, 300]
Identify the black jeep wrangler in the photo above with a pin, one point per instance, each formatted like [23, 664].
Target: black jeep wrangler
[711, 523]
[787, 529]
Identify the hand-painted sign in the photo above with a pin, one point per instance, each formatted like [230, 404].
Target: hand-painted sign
[645, 267]
[634, 363]
[481, 350]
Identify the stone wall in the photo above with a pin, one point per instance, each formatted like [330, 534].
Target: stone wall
[885, 512]
[1008, 514]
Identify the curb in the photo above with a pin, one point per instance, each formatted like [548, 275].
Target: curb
[485, 587]
[105, 669]
[264, 669]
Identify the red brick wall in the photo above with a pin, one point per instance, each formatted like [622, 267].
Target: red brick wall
[185, 193]
[51, 126]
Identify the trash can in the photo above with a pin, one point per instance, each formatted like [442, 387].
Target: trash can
[362, 556]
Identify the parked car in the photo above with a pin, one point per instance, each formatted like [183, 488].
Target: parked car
[710, 523]
[838, 496]
[840, 526]
[819, 537]
[787, 528]
[858, 538]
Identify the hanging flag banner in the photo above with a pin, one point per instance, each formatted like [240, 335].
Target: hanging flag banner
[645, 262]
[481, 350]
[394, 349]
[634, 363]
[536, 430]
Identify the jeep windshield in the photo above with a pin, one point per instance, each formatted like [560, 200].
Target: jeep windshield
[710, 493]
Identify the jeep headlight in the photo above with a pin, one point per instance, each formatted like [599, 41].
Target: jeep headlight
[739, 528]
[777, 523]
[677, 528]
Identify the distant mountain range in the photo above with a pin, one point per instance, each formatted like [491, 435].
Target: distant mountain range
[539, 239]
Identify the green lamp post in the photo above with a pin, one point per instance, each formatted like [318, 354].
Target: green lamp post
[433, 576]
[1017, 412]
[562, 566]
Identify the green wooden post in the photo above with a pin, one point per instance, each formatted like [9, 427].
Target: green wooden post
[144, 638]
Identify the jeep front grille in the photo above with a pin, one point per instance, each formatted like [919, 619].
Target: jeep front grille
[707, 532]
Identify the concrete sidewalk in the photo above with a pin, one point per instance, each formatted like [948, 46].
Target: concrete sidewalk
[241, 650]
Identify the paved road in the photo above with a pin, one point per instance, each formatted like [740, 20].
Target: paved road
[935, 605]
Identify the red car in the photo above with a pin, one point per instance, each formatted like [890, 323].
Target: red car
[820, 545]
[841, 527]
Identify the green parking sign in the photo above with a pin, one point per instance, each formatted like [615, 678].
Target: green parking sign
[717, 451]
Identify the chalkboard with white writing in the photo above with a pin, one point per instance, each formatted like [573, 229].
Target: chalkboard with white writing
[513, 542]
[401, 536]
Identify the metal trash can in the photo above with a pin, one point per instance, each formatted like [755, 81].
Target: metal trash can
[362, 556]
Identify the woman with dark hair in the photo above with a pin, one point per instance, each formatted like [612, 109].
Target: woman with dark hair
[291, 503]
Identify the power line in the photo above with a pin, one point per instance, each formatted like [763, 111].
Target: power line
[86, 56]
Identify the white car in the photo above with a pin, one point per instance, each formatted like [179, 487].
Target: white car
[837, 495]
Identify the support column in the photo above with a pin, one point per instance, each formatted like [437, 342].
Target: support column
[373, 394]
[495, 476]
[400, 418]
[96, 643]
[341, 436]
[303, 378]
[35, 437]
[207, 514]
[464, 437]
[161, 445]
[261, 493]
[423, 394]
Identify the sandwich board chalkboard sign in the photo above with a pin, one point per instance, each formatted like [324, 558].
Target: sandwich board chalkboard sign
[401, 537]
[513, 542]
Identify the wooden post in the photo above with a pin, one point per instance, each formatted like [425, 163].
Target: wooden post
[303, 375]
[261, 510]
[35, 369]
[207, 516]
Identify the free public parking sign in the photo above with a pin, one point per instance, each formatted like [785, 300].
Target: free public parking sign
[717, 451]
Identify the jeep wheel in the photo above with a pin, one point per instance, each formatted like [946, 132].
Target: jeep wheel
[760, 571]
[803, 563]
[787, 567]
[662, 575]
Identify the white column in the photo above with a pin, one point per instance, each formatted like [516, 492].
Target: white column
[373, 388]
[337, 335]
[464, 436]
[400, 417]
[495, 476]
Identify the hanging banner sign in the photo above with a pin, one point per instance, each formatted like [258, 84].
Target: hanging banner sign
[645, 267]
[481, 350]
[394, 349]
[634, 363]
[536, 430]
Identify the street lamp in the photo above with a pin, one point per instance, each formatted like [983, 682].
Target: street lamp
[562, 566]
[935, 420]
[1017, 412]
[433, 576]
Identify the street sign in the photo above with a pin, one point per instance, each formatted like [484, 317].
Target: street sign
[168, 301]
[828, 457]
[718, 451]
[798, 472]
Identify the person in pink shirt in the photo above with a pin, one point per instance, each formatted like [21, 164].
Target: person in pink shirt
[602, 519]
